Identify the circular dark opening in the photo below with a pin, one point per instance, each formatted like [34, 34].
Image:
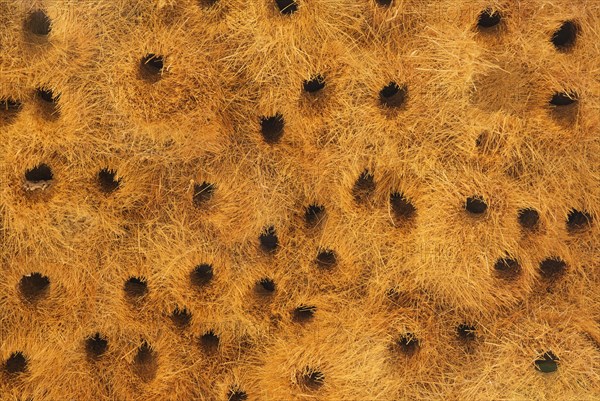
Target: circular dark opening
[363, 187]
[314, 84]
[507, 268]
[547, 363]
[16, 363]
[39, 173]
[564, 38]
[475, 205]
[136, 287]
[272, 128]
[304, 313]
[408, 343]
[287, 7]
[151, 67]
[202, 193]
[209, 341]
[314, 215]
[384, 3]
[393, 95]
[528, 218]
[402, 208]
[326, 259]
[488, 19]
[552, 267]
[268, 240]
[578, 220]
[265, 286]
[9, 108]
[465, 332]
[38, 23]
[96, 345]
[237, 395]
[47, 95]
[107, 181]
[563, 99]
[312, 379]
[34, 286]
[181, 317]
[144, 362]
[201, 275]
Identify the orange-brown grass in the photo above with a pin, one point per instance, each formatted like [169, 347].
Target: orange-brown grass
[299, 200]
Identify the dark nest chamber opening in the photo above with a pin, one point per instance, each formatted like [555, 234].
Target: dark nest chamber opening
[271, 128]
[34, 286]
[393, 95]
[287, 7]
[96, 346]
[564, 38]
[152, 67]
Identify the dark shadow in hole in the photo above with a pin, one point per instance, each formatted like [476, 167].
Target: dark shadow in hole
[393, 95]
[135, 287]
[547, 363]
[34, 286]
[507, 268]
[560, 99]
[145, 362]
[314, 214]
[363, 187]
[107, 181]
[201, 275]
[48, 103]
[40, 173]
[488, 20]
[402, 208]
[578, 220]
[304, 313]
[475, 205]
[528, 218]
[466, 332]
[16, 363]
[265, 286]
[287, 7]
[152, 67]
[38, 23]
[314, 84]
[552, 267]
[95, 346]
[326, 259]
[272, 127]
[311, 379]
[9, 109]
[202, 193]
[268, 240]
[236, 394]
[209, 342]
[408, 344]
[181, 318]
[47, 95]
[207, 3]
[564, 107]
[564, 38]
[384, 3]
